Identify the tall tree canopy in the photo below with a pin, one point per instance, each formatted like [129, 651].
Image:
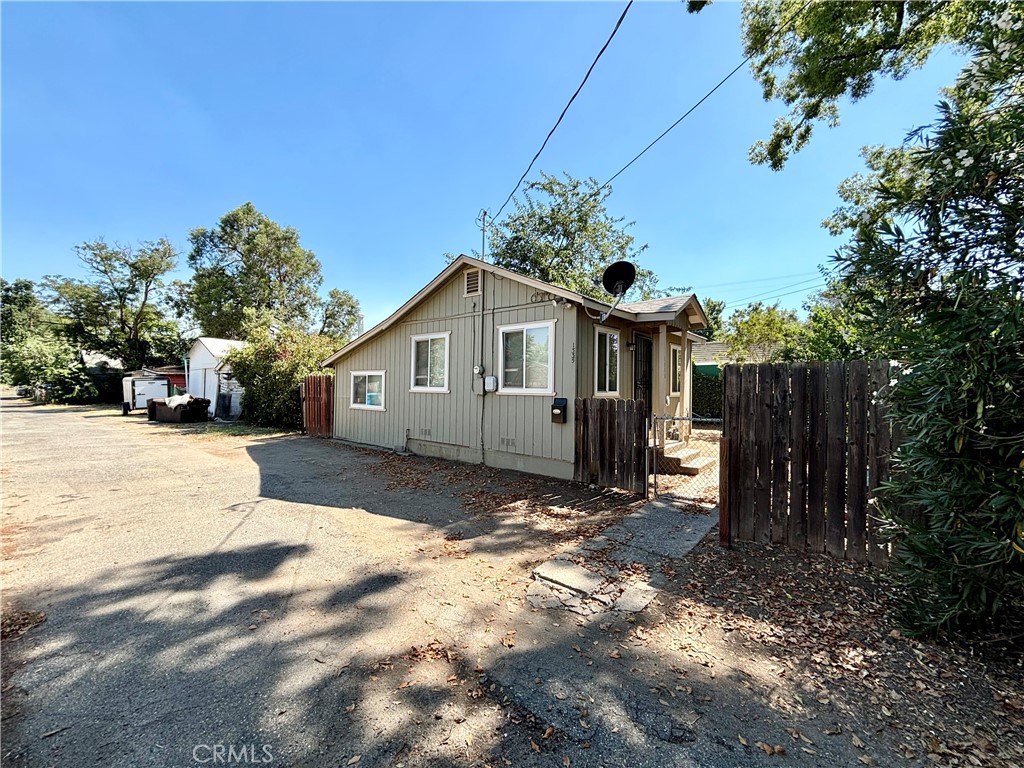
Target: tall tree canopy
[953, 272]
[810, 58]
[249, 261]
[562, 233]
[22, 313]
[761, 333]
[118, 309]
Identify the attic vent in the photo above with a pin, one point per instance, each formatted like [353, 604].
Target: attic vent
[472, 282]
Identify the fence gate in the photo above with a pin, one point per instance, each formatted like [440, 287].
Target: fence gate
[805, 446]
[317, 393]
[611, 443]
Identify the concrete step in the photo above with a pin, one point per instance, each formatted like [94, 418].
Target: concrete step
[678, 465]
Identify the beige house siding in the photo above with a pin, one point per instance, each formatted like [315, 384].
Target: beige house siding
[513, 430]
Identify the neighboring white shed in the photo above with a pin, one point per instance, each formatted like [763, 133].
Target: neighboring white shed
[209, 375]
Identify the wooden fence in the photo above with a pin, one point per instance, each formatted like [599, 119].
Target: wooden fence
[317, 394]
[806, 445]
[611, 443]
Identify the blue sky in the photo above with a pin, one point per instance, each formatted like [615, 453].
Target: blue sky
[379, 131]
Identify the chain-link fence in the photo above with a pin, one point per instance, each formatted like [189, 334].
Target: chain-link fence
[684, 458]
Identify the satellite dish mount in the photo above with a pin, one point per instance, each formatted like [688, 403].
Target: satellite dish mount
[617, 279]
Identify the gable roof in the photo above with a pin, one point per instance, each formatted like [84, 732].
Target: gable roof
[217, 347]
[710, 353]
[664, 304]
[688, 303]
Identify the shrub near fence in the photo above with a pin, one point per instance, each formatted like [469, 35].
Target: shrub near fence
[707, 396]
[807, 445]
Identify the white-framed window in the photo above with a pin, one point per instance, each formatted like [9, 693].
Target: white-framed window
[472, 279]
[430, 362]
[677, 361]
[606, 363]
[367, 390]
[527, 365]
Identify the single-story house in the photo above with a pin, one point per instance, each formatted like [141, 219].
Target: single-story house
[209, 375]
[470, 367]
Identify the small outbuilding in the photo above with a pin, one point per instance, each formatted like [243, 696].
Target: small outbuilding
[210, 377]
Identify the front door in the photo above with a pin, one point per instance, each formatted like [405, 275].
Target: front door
[643, 369]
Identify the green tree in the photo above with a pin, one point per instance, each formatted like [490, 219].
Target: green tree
[761, 333]
[271, 367]
[811, 55]
[954, 289]
[339, 316]
[22, 313]
[714, 309]
[118, 308]
[562, 233]
[249, 261]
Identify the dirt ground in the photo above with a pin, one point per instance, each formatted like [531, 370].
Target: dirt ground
[172, 588]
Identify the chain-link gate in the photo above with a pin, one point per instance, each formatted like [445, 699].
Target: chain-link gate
[684, 458]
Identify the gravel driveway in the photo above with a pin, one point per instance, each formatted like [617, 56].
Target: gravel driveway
[217, 598]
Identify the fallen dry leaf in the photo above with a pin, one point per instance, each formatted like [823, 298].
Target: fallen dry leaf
[743, 741]
[354, 759]
[534, 746]
[857, 742]
[549, 732]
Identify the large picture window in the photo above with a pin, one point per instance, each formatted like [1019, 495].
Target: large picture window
[527, 358]
[368, 390]
[430, 362]
[677, 360]
[607, 359]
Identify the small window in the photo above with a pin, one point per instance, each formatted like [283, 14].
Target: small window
[368, 390]
[430, 362]
[527, 358]
[677, 359]
[607, 380]
[472, 277]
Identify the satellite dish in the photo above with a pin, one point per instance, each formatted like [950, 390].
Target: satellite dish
[618, 278]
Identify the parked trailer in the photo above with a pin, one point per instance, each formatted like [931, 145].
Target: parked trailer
[139, 389]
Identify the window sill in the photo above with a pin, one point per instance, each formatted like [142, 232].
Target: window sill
[356, 407]
[542, 393]
[428, 390]
[608, 395]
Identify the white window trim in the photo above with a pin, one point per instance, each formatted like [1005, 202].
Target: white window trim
[502, 329]
[679, 372]
[446, 335]
[479, 281]
[598, 330]
[383, 390]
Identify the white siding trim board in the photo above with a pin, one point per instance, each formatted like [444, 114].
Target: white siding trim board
[446, 335]
[352, 390]
[500, 331]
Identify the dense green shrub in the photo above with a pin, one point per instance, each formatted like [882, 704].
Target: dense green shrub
[950, 252]
[49, 363]
[271, 367]
[707, 395]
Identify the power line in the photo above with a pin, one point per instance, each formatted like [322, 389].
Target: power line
[758, 280]
[783, 26]
[780, 295]
[816, 279]
[566, 109]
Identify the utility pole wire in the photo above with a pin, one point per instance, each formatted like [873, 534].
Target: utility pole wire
[782, 27]
[566, 109]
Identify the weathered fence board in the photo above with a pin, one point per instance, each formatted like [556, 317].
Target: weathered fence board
[780, 415]
[747, 468]
[835, 459]
[611, 443]
[731, 430]
[808, 447]
[317, 396]
[798, 455]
